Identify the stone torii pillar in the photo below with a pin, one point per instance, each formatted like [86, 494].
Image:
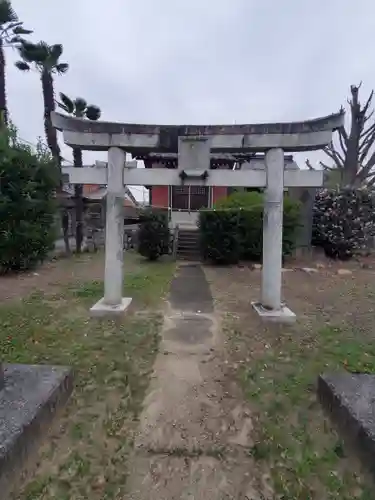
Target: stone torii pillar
[270, 306]
[113, 301]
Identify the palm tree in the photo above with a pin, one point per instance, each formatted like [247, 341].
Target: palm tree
[45, 59]
[10, 30]
[79, 108]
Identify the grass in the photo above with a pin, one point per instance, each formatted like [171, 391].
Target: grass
[306, 457]
[278, 368]
[86, 454]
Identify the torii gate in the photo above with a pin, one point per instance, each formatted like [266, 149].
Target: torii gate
[194, 144]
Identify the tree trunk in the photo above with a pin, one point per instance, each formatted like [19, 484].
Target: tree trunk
[78, 195]
[65, 227]
[49, 106]
[51, 136]
[352, 154]
[3, 99]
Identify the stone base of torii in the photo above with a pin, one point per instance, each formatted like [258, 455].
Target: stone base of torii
[194, 145]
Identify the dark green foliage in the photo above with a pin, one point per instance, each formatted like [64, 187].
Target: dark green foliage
[344, 221]
[27, 205]
[153, 234]
[241, 199]
[219, 239]
[244, 210]
[291, 224]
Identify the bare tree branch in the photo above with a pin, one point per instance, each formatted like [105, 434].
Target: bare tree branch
[369, 116]
[343, 141]
[365, 146]
[334, 155]
[308, 163]
[370, 181]
[326, 167]
[366, 106]
[370, 164]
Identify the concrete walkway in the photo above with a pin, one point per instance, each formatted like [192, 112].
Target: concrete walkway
[194, 431]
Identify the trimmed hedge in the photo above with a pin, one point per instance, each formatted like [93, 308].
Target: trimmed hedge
[219, 239]
[344, 221]
[233, 231]
[153, 234]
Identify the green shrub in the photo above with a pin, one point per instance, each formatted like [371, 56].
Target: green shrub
[246, 209]
[28, 181]
[344, 221]
[241, 199]
[153, 234]
[219, 240]
[291, 224]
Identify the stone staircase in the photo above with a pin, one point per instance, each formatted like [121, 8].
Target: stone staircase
[188, 243]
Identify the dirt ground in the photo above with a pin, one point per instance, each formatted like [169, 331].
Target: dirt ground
[277, 368]
[51, 275]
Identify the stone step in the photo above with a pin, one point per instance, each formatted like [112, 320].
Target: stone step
[188, 236]
[185, 249]
[187, 243]
[189, 252]
[191, 257]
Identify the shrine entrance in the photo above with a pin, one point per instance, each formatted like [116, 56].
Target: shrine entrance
[193, 179]
[186, 201]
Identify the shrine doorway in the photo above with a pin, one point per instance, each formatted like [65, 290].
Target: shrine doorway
[186, 201]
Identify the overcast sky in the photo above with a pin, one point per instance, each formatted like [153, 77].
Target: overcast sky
[198, 61]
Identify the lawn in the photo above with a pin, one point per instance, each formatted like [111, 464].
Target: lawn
[277, 367]
[85, 456]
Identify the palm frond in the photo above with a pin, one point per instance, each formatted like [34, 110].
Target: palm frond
[55, 51]
[67, 102]
[80, 105]
[61, 68]
[41, 52]
[20, 30]
[63, 107]
[93, 112]
[7, 13]
[33, 52]
[14, 39]
[22, 65]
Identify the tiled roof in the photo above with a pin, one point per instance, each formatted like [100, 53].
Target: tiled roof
[97, 192]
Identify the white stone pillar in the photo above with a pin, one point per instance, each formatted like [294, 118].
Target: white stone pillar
[273, 230]
[270, 307]
[113, 302]
[114, 230]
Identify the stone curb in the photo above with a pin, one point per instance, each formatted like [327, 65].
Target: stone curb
[348, 400]
[28, 403]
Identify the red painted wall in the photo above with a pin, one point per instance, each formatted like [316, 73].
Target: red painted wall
[218, 192]
[160, 196]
